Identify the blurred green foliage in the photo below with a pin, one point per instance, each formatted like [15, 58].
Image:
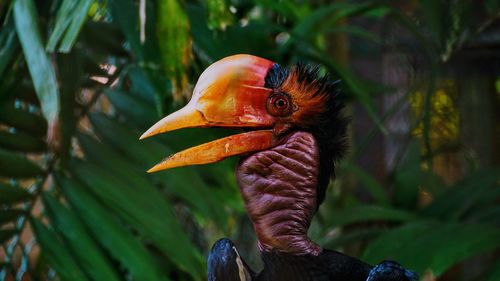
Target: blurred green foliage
[80, 81]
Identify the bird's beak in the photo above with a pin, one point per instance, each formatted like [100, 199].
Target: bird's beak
[230, 93]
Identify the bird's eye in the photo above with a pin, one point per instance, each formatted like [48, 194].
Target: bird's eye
[279, 104]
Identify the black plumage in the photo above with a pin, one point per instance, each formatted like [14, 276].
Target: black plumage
[226, 264]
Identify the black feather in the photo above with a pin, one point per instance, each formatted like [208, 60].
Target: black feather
[226, 264]
[276, 76]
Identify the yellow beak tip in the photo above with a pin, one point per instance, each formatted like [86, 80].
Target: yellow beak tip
[152, 170]
[146, 134]
[158, 167]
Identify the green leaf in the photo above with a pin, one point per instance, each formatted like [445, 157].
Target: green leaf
[173, 31]
[219, 16]
[125, 14]
[430, 245]
[71, 71]
[137, 111]
[57, 254]
[375, 189]
[459, 243]
[15, 166]
[10, 215]
[151, 88]
[366, 213]
[142, 86]
[20, 89]
[103, 39]
[9, 45]
[23, 120]
[11, 194]
[21, 142]
[351, 237]
[389, 243]
[434, 14]
[108, 231]
[255, 38]
[81, 244]
[358, 32]
[325, 17]
[6, 234]
[408, 178]
[494, 274]
[63, 19]
[486, 214]
[40, 68]
[492, 7]
[79, 17]
[292, 10]
[184, 183]
[70, 19]
[477, 190]
[174, 39]
[144, 208]
[100, 154]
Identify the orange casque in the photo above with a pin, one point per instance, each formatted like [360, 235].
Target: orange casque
[229, 93]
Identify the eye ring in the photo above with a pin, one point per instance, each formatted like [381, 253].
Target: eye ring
[279, 104]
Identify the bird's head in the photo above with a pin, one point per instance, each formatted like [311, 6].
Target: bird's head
[269, 102]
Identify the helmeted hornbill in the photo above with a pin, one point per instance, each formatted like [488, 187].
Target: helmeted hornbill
[294, 133]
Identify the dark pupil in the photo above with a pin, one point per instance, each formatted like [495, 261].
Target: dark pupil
[280, 103]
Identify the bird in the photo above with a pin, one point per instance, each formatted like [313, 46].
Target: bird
[293, 134]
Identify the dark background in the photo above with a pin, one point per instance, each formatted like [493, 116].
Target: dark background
[81, 80]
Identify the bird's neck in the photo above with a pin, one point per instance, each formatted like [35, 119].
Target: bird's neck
[279, 189]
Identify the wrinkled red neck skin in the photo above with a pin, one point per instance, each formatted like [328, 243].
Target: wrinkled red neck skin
[279, 189]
